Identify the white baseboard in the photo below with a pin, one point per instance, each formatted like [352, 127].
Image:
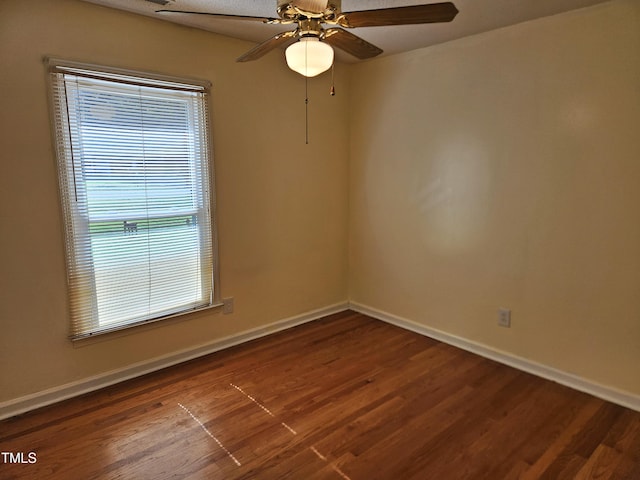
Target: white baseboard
[74, 389]
[604, 392]
[53, 395]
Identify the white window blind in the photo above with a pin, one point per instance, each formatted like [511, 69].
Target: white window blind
[133, 163]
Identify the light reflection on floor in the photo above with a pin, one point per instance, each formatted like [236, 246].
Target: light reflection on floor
[272, 415]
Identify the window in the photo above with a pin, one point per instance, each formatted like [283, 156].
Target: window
[133, 163]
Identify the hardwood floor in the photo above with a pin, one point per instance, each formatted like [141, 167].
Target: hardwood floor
[343, 397]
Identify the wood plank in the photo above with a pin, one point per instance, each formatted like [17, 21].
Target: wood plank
[344, 397]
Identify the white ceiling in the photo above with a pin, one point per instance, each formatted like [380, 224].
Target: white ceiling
[475, 16]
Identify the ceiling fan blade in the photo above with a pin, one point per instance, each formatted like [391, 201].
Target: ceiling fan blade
[414, 14]
[313, 6]
[227, 17]
[350, 43]
[268, 45]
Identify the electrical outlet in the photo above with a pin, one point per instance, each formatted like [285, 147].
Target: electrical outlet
[504, 317]
[227, 305]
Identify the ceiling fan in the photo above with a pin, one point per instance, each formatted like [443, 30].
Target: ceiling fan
[309, 51]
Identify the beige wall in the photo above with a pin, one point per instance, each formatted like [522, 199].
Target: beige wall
[500, 170]
[503, 170]
[281, 204]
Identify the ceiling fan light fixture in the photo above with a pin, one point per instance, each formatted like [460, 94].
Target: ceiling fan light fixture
[309, 56]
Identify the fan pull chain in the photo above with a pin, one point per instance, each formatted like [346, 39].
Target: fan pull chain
[306, 98]
[306, 110]
[332, 92]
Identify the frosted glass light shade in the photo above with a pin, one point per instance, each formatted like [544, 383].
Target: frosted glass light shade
[309, 56]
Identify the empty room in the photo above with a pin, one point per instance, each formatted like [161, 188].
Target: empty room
[318, 239]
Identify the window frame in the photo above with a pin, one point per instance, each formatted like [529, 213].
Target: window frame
[63, 148]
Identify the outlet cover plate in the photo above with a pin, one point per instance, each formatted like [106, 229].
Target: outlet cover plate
[227, 305]
[504, 317]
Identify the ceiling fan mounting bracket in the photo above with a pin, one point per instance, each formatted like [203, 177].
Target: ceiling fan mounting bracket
[297, 10]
